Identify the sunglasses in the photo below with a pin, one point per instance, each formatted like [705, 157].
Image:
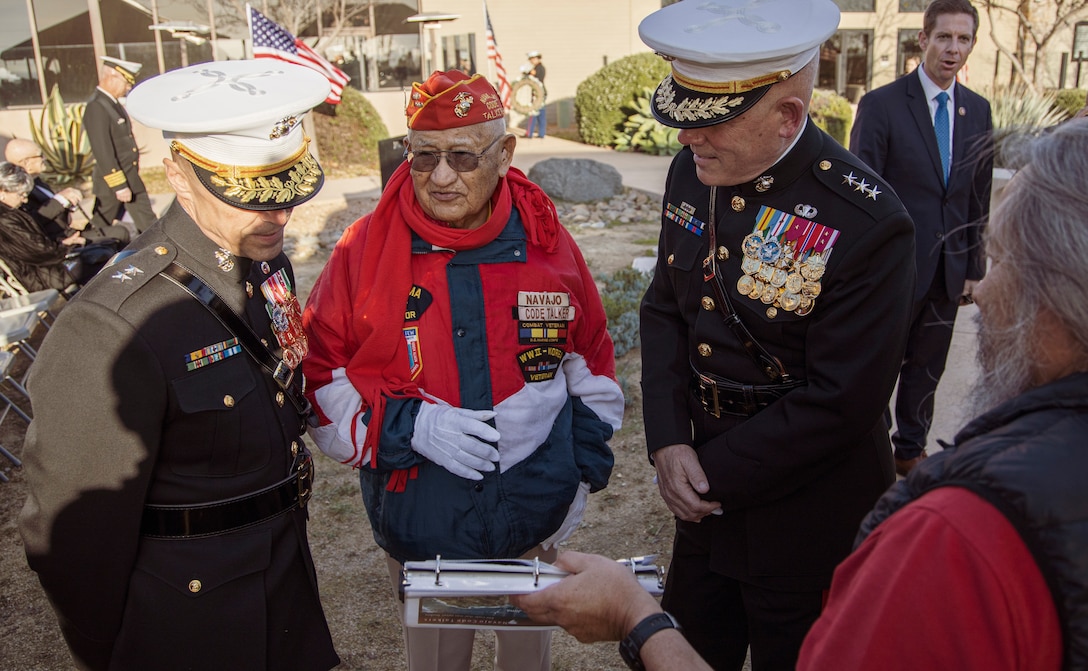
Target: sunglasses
[461, 161]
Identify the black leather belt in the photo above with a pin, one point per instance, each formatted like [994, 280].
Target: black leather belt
[219, 517]
[720, 396]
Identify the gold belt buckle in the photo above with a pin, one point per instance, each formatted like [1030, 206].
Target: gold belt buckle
[704, 382]
[305, 482]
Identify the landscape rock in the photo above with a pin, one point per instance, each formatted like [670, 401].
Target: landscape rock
[577, 180]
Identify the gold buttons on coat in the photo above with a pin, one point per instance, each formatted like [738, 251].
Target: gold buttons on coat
[737, 203]
[195, 586]
[723, 253]
[280, 398]
[672, 257]
[708, 303]
[825, 165]
[161, 251]
[705, 349]
[772, 312]
[249, 289]
[294, 448]
[228, 401]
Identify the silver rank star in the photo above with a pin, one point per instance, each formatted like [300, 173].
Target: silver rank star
[127, 274]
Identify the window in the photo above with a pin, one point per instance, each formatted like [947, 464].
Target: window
[856, 5]
[846, 63]
[18, 73]
[913, 5]
[908, 54]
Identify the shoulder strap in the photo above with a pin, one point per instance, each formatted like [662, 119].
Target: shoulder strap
[250, 341]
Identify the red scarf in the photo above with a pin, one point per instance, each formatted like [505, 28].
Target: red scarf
[379, 369]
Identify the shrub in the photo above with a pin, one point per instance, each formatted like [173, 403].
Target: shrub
[621, 296]
[600, 97]
[1019, 111]
[1070, 101]
[348, 134]
[642, 132]
[832, 113]
[64, 144]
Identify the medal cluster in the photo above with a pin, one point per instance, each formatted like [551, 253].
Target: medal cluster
[775, 277]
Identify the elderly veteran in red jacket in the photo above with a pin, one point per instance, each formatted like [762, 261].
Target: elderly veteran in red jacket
[459, 359]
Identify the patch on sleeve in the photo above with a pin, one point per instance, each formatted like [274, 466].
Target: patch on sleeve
[419, 299]
[540, 364]
[542, 333]
[684, 214]
[544, 306]
[415, 358]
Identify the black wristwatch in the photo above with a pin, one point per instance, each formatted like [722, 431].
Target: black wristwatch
[631, 646]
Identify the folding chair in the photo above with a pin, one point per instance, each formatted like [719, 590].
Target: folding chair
[7, 359]
[45, 303]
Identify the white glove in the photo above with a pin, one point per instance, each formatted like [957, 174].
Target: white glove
[573, 519]
[454, 439]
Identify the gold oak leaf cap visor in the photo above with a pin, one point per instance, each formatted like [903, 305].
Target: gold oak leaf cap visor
[239, 123]
[726, 54]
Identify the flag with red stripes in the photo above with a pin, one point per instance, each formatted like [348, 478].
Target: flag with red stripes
[495, 57]
[270, 40]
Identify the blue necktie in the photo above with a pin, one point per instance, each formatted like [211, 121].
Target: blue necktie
[940, 126]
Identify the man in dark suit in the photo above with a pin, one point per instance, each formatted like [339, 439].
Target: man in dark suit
[116, 179]
[166, 469]
[930, 138]
[772, 330]
[52, 208]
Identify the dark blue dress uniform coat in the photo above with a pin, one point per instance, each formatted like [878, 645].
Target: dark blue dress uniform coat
[125, 416]
[116, 161]
[796, 479]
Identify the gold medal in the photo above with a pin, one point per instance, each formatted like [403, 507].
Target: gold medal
[757, 290]
[750, 265]
[768, 295]
[811, 289]
[793, 283]
[751, 245]
[765, 272]
[789, 301]
[745, 284]
[778, 278]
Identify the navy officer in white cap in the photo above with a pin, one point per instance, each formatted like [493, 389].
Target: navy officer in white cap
[772, 331]
[116, 179]
[166, 467]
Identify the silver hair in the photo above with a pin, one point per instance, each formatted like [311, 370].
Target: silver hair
[1040, 229]
[13, 179]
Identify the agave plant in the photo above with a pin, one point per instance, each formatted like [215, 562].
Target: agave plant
[642, 132]
[1019, 112]
[64, 144]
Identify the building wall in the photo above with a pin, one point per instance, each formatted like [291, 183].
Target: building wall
[575, 37]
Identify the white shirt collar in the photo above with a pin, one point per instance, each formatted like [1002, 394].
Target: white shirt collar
[931, 88]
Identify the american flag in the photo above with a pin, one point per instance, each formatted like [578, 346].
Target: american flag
[272, 41]
[494, 56]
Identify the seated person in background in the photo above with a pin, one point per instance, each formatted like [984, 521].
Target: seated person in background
[36, 260]
[52, 209]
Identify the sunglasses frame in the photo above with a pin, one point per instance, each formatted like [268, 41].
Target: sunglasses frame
[453, 158]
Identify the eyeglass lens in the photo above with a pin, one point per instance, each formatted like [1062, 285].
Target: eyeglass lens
[461, 161]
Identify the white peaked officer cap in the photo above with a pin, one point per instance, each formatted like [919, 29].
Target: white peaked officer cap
[127, 69]
[726, 54]
[240, 124]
